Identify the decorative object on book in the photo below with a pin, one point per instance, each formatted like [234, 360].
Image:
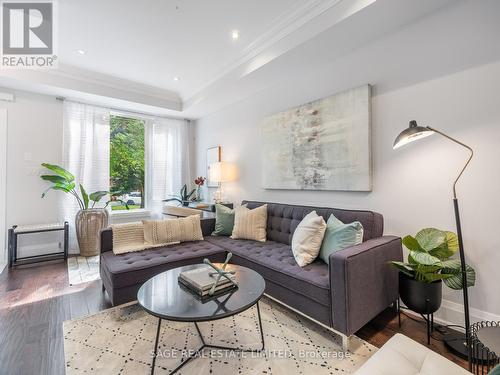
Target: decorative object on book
[16, 230]
[221, 172]
[184, 197]
[221, 272]
[89, 221]
[321, 145]
[412, 133]
[214, 155]
[199, 182]
[485, 346]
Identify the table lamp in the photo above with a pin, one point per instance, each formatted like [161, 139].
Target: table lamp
[221, 172]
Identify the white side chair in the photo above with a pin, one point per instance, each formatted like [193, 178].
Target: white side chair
[403, 356]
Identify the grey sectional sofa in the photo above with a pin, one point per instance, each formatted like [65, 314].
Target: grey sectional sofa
[344, 295]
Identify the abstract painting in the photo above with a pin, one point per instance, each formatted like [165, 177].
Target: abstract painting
[321, 145]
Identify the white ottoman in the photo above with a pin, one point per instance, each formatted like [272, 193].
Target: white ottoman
[403, 356]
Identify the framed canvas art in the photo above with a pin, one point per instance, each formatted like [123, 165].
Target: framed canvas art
[321, 145]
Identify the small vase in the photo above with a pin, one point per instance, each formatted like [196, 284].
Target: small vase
[199, 194]
[88, 224]
[423, 298]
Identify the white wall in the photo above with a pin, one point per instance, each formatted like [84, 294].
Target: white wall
[34, 137]
[412, 186]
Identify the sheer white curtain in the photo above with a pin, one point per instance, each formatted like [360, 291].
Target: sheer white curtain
[85, 154]
[167, 160]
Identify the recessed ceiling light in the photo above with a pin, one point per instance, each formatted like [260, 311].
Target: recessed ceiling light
[176, 79]
[235, 34]
[80, 52]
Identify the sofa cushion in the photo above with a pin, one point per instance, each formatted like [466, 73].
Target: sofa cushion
[137, 267]
[282, 219]
[275, 262]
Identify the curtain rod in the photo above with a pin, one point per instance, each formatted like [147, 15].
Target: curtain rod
[123, 111]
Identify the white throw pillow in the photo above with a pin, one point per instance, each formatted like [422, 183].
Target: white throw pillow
[307, 238]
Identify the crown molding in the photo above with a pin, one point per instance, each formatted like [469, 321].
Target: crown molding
[284, 25]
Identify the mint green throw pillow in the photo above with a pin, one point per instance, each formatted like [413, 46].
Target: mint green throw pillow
[224, 220]
[338, 236]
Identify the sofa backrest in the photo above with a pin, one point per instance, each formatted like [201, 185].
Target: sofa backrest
[282, 219]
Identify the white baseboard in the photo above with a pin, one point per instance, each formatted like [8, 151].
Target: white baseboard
[2, 266]
[452, 313]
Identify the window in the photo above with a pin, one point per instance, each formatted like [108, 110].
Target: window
[126, 162]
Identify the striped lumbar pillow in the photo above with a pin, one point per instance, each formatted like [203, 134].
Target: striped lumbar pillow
[250, 224]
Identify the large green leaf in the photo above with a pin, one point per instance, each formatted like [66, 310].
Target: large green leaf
[98, 195]
[430, 238]
[59, 171]
[404, 268]
[424, 258]
[61, 187]
[412, 244]
[455, 277]
[85, 197]
[53, 178]
[448, 248]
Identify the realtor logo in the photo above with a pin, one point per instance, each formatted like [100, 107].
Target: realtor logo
[28, 34]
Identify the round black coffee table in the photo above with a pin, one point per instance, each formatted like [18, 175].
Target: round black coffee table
[163, 297]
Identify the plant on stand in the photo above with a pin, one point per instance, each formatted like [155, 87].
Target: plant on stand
[428, 265]
[89, 220]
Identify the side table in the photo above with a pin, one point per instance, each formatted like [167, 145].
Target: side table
[485, 346]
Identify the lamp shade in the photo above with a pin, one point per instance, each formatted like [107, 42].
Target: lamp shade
[222, 172]
[412, 133]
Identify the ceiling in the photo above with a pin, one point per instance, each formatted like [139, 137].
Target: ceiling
[133, 50]
[152, 42]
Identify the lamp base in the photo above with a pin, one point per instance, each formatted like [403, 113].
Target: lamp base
[456, 342]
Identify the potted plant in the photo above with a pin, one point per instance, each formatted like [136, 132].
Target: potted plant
[89, 221]
[183, 197]
[428, 265]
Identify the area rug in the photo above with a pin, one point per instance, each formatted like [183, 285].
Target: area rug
[83, 269]
[121, 341]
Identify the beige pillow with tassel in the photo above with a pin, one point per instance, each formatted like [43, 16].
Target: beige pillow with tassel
[250, 224]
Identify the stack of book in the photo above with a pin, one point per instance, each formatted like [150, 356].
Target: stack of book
[201, 280]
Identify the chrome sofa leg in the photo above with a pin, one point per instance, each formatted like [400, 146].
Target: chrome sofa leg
[346, 342]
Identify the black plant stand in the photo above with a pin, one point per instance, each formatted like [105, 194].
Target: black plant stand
[429, 320]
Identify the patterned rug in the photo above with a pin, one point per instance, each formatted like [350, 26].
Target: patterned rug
[121, 341]
[83, 269]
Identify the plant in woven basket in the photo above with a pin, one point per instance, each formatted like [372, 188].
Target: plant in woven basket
[429, 259]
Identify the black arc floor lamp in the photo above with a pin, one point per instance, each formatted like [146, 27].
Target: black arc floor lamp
[458, 342]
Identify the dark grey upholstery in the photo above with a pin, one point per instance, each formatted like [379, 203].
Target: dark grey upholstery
[275, 262]
[282, 219]
[356, 286]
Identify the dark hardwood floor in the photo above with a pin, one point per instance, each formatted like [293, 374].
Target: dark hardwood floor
[36, 300]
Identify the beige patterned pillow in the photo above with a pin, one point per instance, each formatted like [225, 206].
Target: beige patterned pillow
[128, 237]
[170, 231]
[250, 224]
